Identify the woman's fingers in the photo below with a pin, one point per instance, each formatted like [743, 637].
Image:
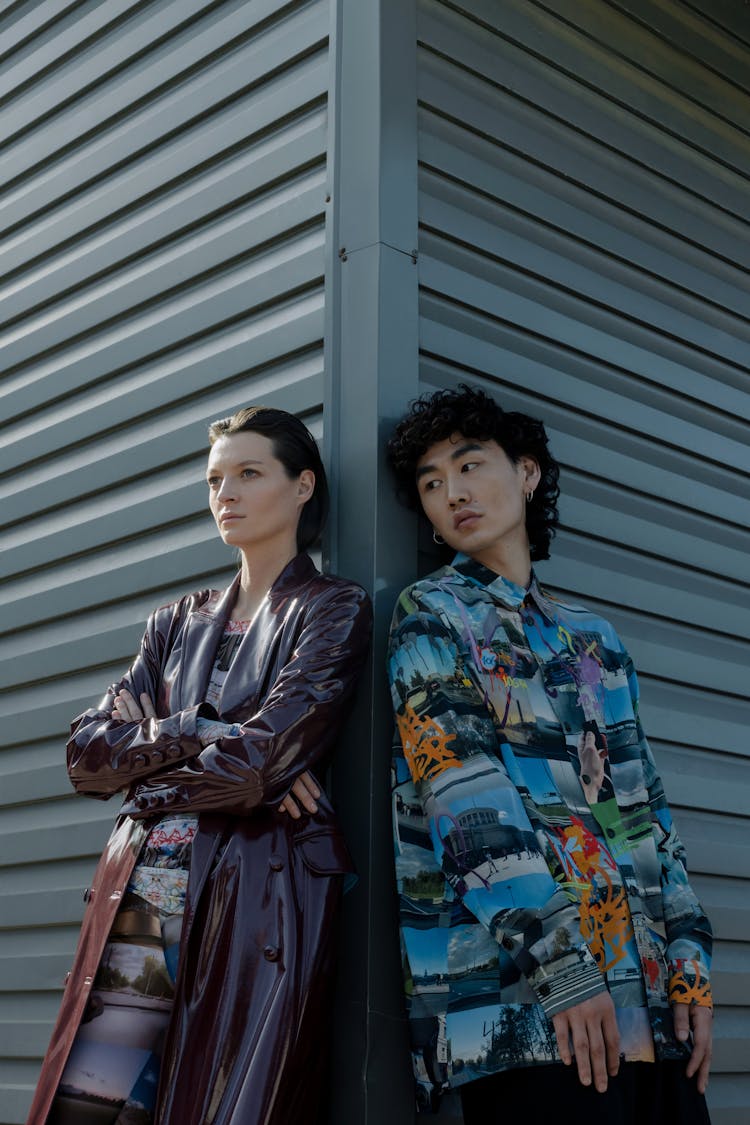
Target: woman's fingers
[127, 708]
[306, 792]
[149, 711]
[289, 806]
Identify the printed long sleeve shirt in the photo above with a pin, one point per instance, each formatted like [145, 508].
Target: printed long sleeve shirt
[537, 861]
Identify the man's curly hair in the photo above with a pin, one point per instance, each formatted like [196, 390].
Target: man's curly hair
[474, 414]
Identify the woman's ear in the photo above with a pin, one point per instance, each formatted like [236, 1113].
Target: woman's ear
[305, 485]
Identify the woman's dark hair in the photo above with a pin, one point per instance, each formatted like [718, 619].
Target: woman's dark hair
[472, 413]
[295, 447]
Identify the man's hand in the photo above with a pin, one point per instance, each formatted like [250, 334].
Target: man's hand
[306, 792]
[591, 1029]
[687, 1018]
[127, 709]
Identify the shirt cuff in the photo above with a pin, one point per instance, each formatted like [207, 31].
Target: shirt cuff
[689, 984]
[567, 981]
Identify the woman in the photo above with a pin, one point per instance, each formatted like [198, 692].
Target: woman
[206, 952]
[556, 957]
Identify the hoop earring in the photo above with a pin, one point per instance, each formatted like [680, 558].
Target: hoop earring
[437, 538]
[529, 496]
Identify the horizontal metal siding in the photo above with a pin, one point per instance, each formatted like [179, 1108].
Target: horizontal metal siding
[162, 227]
[584, 255]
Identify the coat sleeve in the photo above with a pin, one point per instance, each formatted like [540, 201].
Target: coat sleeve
[106, 755]
[294, 729]
[688, 930]
[452, 749]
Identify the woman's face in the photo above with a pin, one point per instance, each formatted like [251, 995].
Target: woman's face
[253, 500]
[474, 495]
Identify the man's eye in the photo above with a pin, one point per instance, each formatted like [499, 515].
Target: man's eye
[431, 485]
[468, 465]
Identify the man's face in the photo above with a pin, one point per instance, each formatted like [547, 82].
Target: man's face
[474, 495]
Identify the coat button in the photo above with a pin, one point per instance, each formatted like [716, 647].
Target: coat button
[271, 953]
[88, 894]
[276, 863]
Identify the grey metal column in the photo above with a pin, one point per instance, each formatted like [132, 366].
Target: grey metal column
[371, 372]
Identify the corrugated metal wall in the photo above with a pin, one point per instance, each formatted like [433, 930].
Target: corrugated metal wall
[584, 254]
[162, 238]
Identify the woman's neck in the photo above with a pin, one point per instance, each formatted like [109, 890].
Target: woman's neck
[257, 576]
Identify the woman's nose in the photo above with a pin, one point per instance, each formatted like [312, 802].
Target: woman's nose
[225, 491]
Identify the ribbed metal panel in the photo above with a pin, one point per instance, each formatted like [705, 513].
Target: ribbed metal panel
[584, 254]
[162, 230]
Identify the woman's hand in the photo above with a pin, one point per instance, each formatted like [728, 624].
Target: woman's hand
[306, 792]
[127, 709]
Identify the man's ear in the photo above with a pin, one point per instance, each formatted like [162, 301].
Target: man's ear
[532, 472]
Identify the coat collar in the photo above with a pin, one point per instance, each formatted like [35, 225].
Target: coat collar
[205, 625]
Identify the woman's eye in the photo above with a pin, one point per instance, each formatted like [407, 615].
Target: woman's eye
[249, 473]
[213, 482]
[431, 485]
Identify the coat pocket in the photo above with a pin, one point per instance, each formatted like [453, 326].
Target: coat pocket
[325, 853]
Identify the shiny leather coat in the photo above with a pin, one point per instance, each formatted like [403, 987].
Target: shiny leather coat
[246, 1039]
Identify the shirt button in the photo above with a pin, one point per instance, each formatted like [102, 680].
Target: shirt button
[271, 953]
[276, 863]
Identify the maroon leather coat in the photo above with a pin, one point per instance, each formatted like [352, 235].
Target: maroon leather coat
[247, 1029]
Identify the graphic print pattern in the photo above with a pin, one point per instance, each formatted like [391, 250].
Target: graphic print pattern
[536, 857]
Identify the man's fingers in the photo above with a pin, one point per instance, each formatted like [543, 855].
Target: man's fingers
[611, 1040]
[581, 1047]
[591, 1027]
[701, 1020]
[681, 1014]
[562, 1035]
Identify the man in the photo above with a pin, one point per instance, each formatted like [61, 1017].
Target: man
[556, 957]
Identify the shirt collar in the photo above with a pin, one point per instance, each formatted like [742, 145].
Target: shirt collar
[511, 594]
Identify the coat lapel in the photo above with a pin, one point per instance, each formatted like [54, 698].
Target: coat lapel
[254, 663]
[200, 640]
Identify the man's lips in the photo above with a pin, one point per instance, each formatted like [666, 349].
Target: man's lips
[465, 518]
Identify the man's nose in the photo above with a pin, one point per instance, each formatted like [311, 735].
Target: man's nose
[458, 493]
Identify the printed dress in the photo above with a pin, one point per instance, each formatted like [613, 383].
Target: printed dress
[112, 1072]
[536, 857]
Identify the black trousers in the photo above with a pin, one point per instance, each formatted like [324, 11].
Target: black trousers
[641, 1094]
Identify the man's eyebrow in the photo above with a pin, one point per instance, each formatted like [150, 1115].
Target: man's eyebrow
[467, 447]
